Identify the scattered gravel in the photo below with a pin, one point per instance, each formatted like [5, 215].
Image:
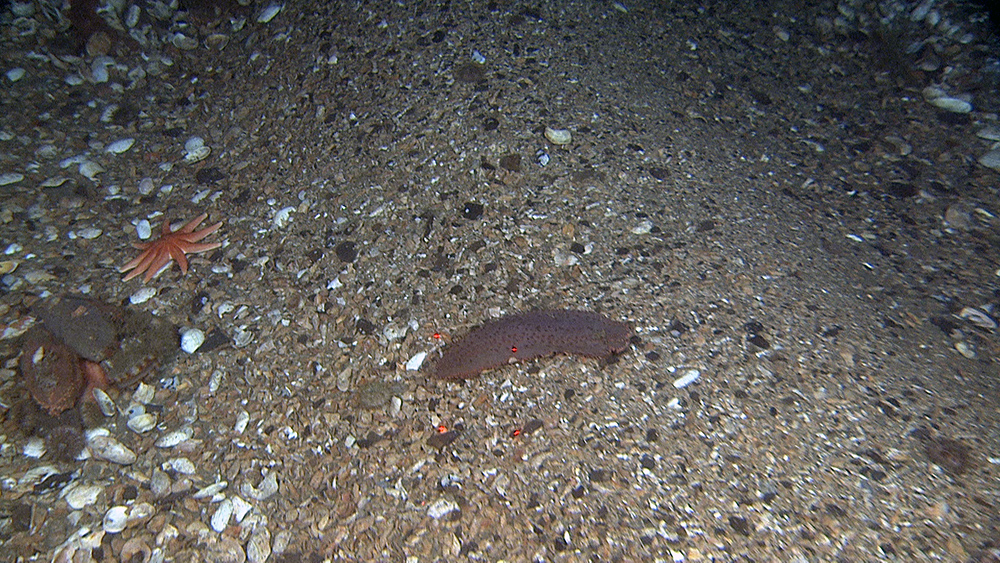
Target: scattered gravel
[796, 208]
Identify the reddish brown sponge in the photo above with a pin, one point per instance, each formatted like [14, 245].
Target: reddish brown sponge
[533, 335]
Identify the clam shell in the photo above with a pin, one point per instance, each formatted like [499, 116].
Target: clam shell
[222, 515]
[142, 423]
[110, 449]
[115, 519]
[558, 136]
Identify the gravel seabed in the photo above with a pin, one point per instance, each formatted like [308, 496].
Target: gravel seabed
[765, 192]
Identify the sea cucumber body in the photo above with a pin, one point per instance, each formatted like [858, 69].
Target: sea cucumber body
[532, 335]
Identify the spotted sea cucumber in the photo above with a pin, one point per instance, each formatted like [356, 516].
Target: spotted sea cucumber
[532, 335]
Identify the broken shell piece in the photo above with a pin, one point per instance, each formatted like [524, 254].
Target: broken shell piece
[142, 423]
[222, 515]
[195, 150]
[558, 136]
[83, 495]
[104, 402]
[110, 449]
[171, 439]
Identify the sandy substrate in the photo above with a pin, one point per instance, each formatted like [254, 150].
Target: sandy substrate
[803, 239]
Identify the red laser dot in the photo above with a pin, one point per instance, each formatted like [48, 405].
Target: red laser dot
[513, 349]
[442, 428]
[437, 336]
[517, 433]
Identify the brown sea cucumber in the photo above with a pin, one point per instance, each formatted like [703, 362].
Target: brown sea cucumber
[532, 335]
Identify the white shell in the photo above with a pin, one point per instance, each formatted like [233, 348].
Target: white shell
[104, 402]
[145, 188]
[197, 155]
[269, 12]
[181, 465]
[191, 340]
[144, 393]
[15, 74]
[242, 419]
[414, 363]
[241, 508]
[259, 546]
[978, 318]
[954, 105]
[115, 519]
[441, 507]
[991, 159]
[171, 439]
[90, 170]
[10, 177]
[687, 378]
[211, 490]
[267, 487]
[142, 295]
[120, 146]
[140, 513]
[34, 447]
[83, 495]
[89, 233]
[110, 449]
[558, 136]
[222, 515]
[142, 423]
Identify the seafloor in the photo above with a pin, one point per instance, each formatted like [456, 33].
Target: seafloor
[795, 207]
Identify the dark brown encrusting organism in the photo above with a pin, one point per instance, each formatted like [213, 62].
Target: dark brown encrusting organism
[533, 335]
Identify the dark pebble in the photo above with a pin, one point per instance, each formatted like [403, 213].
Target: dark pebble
[347, 251]
[532, 426]
[511, 162]
[472, 211]
[647, 462]
[215, 339]
[740, 524]
[209, 175]
[364, 326]
[442, 439]
[491, 124]
[753, 327]
[759, 341]
[577, 248]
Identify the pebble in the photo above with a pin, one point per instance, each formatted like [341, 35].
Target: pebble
[143, 295]
[191, 340]
[90, 170]
[120, 146]
[268, 13]
[259, 546]
[144, 393]
[242, 419]
[145, 187]
[181, 465]
[965, 349]
[174, 438]
[991, 159]
[142, 423]
[990, 133]
[8, 178]
[104, 402]
[558, 136]
[80, 496]
[222, 515]
[34, 447]
[414, 363]
[978, 318]
[241, 508]
[687, 378]
[89, 233]
[115, 519]
[267, 487]
[110, 449]
[211, 490]
[15, 74]
[643, 228]
[441, 507]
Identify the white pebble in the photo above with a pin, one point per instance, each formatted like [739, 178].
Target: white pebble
[145, 188]
[120, 146]
[442, 507]
[220, 519]
[110, 449]
[191, 340]
[978, 318]
[643, 228]
[211, 490]
[171, 439]
[144, 393]
[82, 495]
[142, 423]
[90, 170]
[143, 295]
[687, 378]
[8, 178]
[240, 508]
[991, 159]
[34, 447]
[15, 74]
[414, 363]
[89, 233]
[180, 465]
[242, 419]
[268, 13]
